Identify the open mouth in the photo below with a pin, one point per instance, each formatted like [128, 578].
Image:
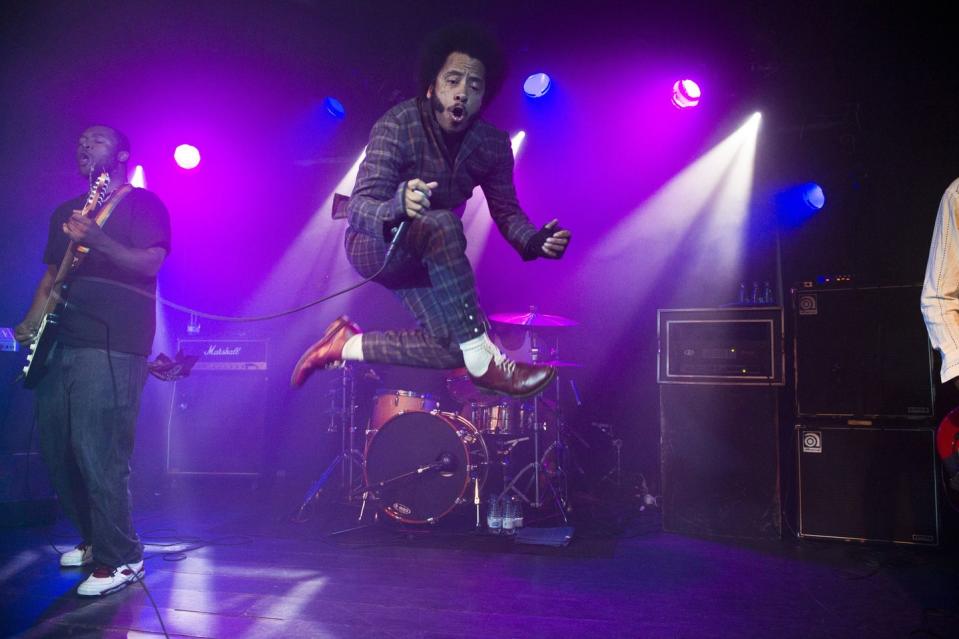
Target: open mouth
[458, 113]
[83, 157]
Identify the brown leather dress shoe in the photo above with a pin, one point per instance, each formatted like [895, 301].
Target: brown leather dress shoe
[515, 379]
[326, 352]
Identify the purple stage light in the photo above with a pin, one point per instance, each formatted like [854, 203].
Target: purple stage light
[187, 156]
[537, 85]
[686, 94]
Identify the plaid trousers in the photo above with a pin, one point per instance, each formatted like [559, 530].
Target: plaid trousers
[433, 278]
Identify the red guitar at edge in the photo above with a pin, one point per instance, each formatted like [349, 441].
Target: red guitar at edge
[947, 445]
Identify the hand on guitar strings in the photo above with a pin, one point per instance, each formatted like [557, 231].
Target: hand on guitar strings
[85, 231]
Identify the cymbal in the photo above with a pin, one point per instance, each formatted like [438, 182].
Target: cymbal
[558, 363]
[532, 318]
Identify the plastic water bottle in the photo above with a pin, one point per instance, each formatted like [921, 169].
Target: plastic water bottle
[494, 515]
[517, 514]
[509, 516]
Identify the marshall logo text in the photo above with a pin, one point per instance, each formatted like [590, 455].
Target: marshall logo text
[220, 351]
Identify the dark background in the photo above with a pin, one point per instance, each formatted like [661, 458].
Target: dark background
[862, 100]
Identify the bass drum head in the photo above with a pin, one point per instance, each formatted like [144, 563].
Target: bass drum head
[411, 441]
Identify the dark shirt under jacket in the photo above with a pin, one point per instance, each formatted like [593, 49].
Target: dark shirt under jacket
[140, 220]
[407, 143]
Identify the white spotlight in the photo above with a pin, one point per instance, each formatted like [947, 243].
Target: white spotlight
[517, 141]
[138, 179]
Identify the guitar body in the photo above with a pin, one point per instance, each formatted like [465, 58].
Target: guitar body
[40, 348]
[46, 335]
[947, 445]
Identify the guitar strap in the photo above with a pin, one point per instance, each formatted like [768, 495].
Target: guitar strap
[104, 213]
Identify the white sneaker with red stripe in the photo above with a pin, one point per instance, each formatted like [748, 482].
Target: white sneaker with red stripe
[79, 556]
[105, 579]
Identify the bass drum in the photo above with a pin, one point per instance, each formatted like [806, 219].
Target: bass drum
[447, 450]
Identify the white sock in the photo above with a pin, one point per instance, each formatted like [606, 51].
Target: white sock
[478, 353]
[353, 349]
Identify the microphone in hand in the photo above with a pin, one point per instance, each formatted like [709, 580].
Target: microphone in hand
[398, 236]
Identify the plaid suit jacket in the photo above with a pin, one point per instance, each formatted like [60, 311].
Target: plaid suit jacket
[407, 143]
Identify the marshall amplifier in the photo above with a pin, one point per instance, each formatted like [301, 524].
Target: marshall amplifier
[218, 413]
[728, 346]
[226, 354]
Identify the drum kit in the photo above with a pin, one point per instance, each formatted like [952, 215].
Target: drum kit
[420, 463]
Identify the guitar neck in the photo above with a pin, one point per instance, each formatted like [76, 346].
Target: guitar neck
[66, 266]
[74, 255]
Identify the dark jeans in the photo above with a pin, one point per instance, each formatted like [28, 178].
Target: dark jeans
[87, 412]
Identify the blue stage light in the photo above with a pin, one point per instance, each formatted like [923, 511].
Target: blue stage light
[334, 107]
[799, 203]
[537, 85]
[813, 196]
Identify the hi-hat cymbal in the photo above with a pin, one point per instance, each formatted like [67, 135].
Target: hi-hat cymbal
[532, 318]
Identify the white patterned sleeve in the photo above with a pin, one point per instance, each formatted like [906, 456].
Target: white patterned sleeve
[940, 289]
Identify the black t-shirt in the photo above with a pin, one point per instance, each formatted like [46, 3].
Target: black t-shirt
[140, 220]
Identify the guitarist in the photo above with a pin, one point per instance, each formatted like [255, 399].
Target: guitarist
[88, 398]
[940, 309]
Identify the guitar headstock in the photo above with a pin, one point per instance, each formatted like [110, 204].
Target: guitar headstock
[97, 190]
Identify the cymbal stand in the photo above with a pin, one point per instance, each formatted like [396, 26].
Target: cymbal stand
[537, 465]
[354, 457]
[349, 458]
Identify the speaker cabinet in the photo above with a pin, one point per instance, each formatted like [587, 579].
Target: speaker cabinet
[868, 484]
[861, 352]
[216, 424]
[720, 460]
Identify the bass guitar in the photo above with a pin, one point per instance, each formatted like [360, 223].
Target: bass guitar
[43, 339]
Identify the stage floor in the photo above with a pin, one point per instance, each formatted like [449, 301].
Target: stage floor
[257, 574]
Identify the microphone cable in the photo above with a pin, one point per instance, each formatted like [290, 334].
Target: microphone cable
[398, 235]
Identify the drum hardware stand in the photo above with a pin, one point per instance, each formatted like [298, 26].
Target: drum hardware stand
[534, 355]
[615, 474]
[343, 418]
[369, 491]
[474, 474]
[536, 466]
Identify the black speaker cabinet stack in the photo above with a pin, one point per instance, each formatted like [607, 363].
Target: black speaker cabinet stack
[720, 376]
[217, 414]
[866, 462]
